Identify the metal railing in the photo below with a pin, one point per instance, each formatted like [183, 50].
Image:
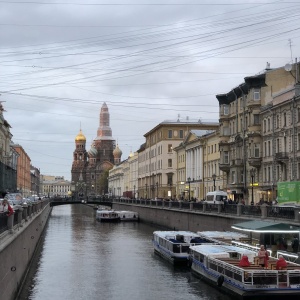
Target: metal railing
[22, 213]
[258, 211]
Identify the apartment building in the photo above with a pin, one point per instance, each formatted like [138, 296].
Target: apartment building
[258, 133]
[157, 160]
[23, 171]
[198, 165]
[8, 157]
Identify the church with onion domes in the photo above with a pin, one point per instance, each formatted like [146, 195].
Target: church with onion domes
[90, 168]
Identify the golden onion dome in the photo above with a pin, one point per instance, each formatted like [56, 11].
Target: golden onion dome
[117, 152]
[80, 137]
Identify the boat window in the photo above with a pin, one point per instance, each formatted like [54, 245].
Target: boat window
[176, 248]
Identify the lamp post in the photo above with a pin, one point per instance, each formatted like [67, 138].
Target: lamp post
[189, 182]
[134, 192]
[146, 185]
[214, 176]
[252, 173]
[156, 189]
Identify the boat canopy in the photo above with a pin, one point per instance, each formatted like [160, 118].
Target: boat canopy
[266, 227]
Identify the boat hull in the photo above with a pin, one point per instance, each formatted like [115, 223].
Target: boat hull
[234, 288]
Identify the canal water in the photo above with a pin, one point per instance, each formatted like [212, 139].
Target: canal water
[81, 258]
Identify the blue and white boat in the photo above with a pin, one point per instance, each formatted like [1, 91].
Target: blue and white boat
[107, 216]
[174, 245]
[127, 215]
[219, 265]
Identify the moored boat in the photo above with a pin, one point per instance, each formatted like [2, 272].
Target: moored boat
[126, 215]
[174, 245]
[219, 265]
[107, 216]
[224, 237]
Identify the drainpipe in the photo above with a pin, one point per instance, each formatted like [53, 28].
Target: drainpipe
[244, 143]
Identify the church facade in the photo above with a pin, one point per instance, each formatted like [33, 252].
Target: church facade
[89, 168]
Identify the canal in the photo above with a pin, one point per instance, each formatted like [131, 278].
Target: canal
[81, 258]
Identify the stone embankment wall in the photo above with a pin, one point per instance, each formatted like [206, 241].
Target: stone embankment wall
[17, 247]
[182, 220]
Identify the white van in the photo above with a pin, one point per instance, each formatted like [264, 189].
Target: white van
[216, 197]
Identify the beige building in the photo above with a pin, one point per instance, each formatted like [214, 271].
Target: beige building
[157, 160]
[258, 134]
[198, 170]
[280, 126]
[51, 186]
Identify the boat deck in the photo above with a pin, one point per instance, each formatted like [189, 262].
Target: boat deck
[256, 266]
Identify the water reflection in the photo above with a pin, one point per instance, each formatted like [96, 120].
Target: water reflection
[82, 258]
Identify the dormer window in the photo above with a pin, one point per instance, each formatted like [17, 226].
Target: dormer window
[256, 94]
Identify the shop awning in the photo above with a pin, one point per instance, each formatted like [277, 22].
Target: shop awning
[266, 227]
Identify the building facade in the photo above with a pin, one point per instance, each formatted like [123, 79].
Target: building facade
[198, 170]
[23, 171]
[157, 160]
[8, 158]
[35, 180]
[258, 134]
[54, 186]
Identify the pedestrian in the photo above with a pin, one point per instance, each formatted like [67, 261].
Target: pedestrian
[263, 257]
[295, 244]
[7, 209]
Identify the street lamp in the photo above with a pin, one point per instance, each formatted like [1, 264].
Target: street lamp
[252, 173]
[134, 192]
[214, 176]
[156, 189]
[146, 185]
[189, 182]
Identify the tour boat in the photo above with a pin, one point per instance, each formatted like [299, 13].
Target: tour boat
[219, 265]
[174, 245]
[107, 216]
[126, 215]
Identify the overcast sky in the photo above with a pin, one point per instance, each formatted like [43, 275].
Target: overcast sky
[149, 60]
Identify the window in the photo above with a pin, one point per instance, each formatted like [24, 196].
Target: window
[170, 179]
[298, 110]
[277, 145]
[181, 134]
[226, 131]
[277, 122]
[265, 125]
[269, 124]
[232, 176]
[226, 110]
[170, 148]
[256, 94]
[170, 134]
[169, 163]
[242, 176]
[269, 148]
[226, 157]
[284, 119]
[256, 150]
[256, 120]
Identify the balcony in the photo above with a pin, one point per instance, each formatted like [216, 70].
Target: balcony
[224, 167]
[281, 157]
[254, 161]
[237, 162]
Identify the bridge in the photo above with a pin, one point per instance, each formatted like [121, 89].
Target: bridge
[63, 201]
